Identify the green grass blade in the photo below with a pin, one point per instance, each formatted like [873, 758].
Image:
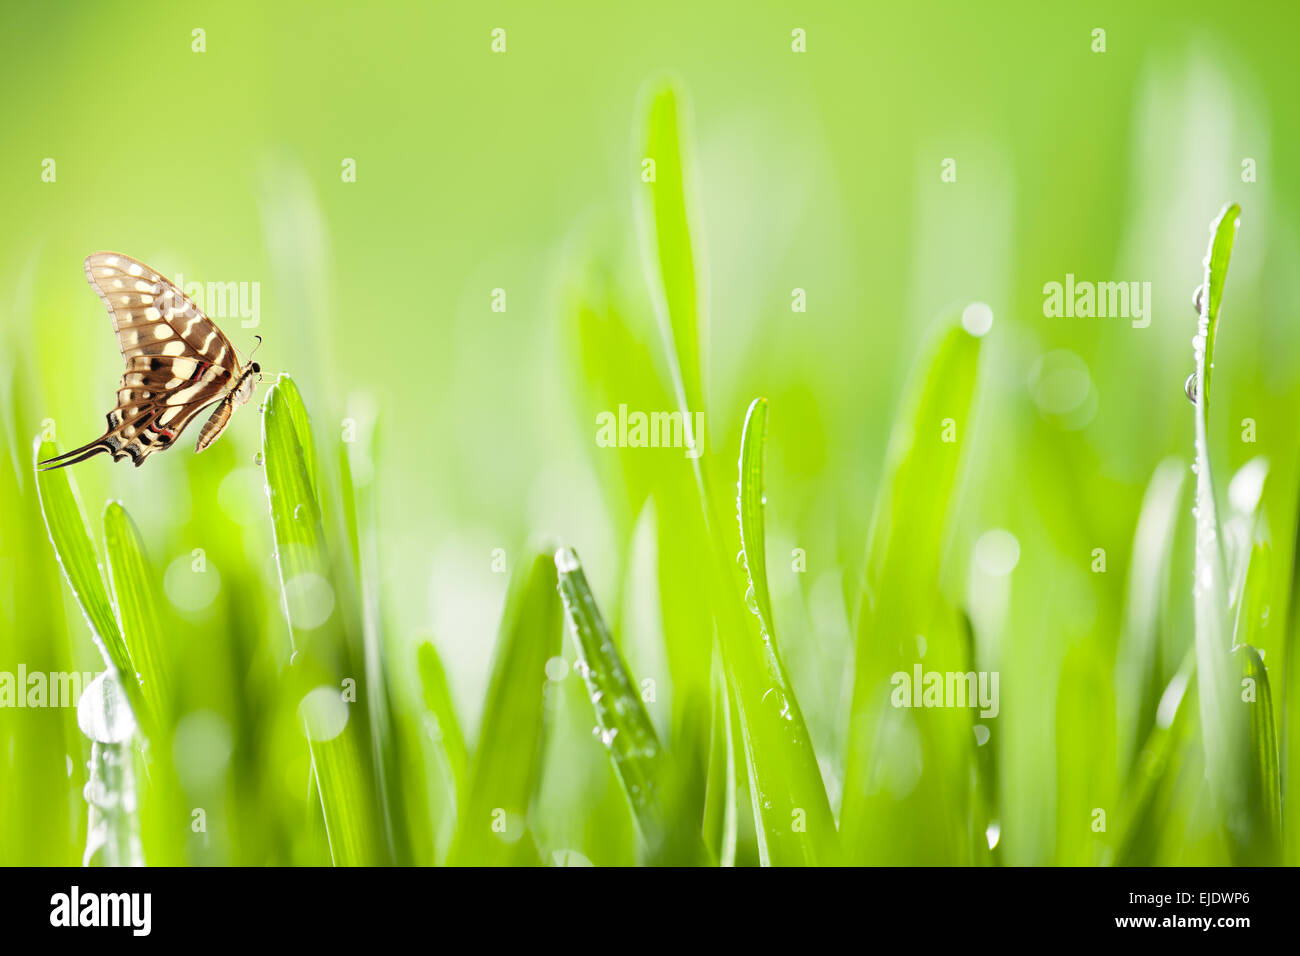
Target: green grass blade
[337, 738]
[907, 545]
[720, 823]
[664, 209]
[301, 552]
[625, 727]
[437, 698]
[803, 779]
[506, 763]
[1221, 719]
[75, 549]
[1223, 232]
[1264, 789]
[749, 510]
[138, 591]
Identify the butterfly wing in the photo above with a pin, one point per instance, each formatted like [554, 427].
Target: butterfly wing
[177, 360]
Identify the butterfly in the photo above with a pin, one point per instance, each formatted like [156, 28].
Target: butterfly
[177, 364]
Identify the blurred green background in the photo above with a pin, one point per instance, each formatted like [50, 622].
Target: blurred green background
[479, 171]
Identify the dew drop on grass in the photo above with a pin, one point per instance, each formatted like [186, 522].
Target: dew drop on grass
[257, 459]
[566, 560]
[103, 713]
[751, 600]
[993, 833]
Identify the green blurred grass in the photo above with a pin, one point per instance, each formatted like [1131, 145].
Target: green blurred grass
[807, 174]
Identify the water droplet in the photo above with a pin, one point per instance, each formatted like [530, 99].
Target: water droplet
[751, 601]
[992, 833]
[1189, 387]
[1197, 296]
[257, 459]
[297, 512]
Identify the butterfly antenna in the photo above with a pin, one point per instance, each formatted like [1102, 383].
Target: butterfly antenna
[256, 347]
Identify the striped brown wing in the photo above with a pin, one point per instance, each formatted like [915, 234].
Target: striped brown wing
[177, 360]
[153, 317]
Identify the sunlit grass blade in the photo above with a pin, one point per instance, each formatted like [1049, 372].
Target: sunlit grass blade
[664, 207]
[804, 781]
[1221, 720]
[624, 725]
[506, 763]
[778, 756]
[336, 730]
[908, 539]
[447, 769]
[446, 726]
[138, 591]
[75, 549]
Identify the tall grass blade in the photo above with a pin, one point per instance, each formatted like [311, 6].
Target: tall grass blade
[816, 833]
[506, 762]
[1222, 725]
[336, 730]
[75, 549]
[138, 591]
[907, 545]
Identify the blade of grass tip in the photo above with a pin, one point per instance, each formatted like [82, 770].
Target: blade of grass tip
[507, 760]
[816, 834]
[1216, 677]
[907, 543]
[335, 734]
[446, 726]
[669, 260]
[625, 727]
[1264, 794]
[75, 550]
[301, 551]
[138, 591]
[668, 255]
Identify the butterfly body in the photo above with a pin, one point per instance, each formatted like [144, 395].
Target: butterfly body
[177, 364]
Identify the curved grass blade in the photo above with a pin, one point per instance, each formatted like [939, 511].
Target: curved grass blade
[75, 550]
[1221, 718]
[1264, 791]
[506, 764]
[777, 755]
[804, 781]
[138, 590]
